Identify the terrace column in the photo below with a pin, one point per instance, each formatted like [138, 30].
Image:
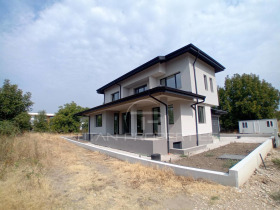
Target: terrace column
[133, 123]
[163, 121]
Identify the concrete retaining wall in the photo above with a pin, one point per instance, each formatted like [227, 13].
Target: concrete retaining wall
[130, 144]
[245, 168]
[239, 174]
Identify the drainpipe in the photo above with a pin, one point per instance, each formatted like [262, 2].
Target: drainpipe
[120, 90]
[167, 122]
[194, 105]
[89, 127]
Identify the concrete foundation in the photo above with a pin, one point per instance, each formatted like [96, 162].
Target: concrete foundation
[237, 175]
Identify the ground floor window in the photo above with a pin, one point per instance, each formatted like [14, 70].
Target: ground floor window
[244, 125]
[201, 114]
[171, 114]
[99, 120]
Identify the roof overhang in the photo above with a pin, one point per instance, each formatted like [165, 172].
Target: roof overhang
[218, 112]
[161, 90]
[190, 48]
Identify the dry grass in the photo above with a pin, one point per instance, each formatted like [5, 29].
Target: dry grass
[43, 171]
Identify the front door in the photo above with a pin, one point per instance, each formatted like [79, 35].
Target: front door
[116, 123]
[156, 119]
[126, 123]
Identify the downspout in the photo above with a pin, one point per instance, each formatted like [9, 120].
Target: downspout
[167, 122]
[194, 105]
[89, 127]
[120, 90]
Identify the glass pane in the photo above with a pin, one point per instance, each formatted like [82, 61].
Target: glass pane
[170, 82]
[162, 82]
[178, 81]
[205, 82]
[171, 114]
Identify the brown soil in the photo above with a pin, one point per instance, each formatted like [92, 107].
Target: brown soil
[210, 159]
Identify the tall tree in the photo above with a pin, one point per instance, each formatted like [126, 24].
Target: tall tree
[40, 123]
[14, 105]
[13, 101]
[246, 97]
[65, 120]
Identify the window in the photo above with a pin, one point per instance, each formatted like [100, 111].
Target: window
[243, 125]
[173, 81]
[170, 114]
[271, 124]
[211, 85]
[140, 89]
[99, 120]
[205, 82]
[246, 125]
[115, 96]
[267, 124]
[201, 114]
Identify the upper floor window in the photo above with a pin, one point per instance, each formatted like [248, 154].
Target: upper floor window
[211, 84]
[140, 89]
[115, 96]
[99, 120]
[201, 114]
[173, 81]
[205, 82]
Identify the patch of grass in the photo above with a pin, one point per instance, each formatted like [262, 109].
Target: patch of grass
[275, 196]
[214, 198]
[183, 155]
[276, 161]
[229, 163]
[209, 154]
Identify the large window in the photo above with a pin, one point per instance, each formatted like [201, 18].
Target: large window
[115, 96]
[171, 114]
[173, 81]
[99, 120]
[205, 82]
[140, 89]
[211, 85]
[201, 114]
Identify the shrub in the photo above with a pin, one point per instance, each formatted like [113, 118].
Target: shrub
[8, 128]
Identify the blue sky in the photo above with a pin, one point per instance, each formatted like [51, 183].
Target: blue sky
[62, 51]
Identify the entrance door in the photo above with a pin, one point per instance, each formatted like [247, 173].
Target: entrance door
[215, 125]
[116, 123]
[156, 119]
[126, 123]
[139, 122]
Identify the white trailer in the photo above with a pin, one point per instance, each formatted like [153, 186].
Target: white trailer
[258, 126]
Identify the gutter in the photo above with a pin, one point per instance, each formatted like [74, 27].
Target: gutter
[167, 121]
[194, 106]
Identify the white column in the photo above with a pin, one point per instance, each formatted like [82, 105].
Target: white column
[133, 123]
[163, 121]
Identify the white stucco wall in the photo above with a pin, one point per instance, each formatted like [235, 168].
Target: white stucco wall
[204, 69]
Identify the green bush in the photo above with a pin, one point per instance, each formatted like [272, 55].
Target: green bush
[8, 128]
[22, 121]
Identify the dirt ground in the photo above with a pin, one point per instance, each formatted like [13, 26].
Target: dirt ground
[77, 178]
[210, 159]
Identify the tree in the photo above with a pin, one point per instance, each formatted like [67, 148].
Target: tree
[65, 120]
[13, 101]
[14, 107]
[246, 97]
[40, 123]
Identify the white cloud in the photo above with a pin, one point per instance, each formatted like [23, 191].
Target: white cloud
[72, 48]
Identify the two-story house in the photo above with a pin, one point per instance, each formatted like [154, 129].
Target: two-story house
[163, 104]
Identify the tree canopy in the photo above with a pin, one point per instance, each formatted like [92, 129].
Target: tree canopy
[246, 97]
[14, 107]
[40, 123]
[65, 120]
